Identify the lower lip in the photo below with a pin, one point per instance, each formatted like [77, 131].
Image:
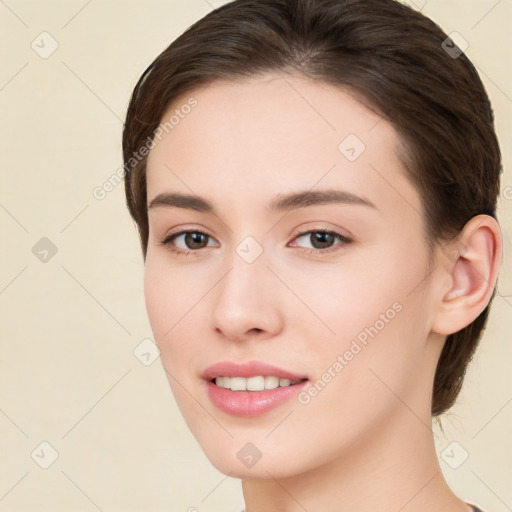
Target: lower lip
[251, 403]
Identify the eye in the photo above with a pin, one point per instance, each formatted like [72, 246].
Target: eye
[194, 240]
[321, 240]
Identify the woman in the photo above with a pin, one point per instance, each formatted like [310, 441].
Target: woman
[315, 183]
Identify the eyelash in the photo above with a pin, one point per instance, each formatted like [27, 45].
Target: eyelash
[168, 239]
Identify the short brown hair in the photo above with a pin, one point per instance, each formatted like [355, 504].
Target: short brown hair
[400, 62]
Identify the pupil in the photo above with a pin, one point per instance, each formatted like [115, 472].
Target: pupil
[320, 237]
[194, 238]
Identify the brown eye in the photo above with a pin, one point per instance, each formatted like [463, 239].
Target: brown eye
[193, 240]
[322, 241]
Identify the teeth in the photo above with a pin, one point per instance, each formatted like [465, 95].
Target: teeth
[258, 383]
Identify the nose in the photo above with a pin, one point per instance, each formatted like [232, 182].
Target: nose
[247, 302]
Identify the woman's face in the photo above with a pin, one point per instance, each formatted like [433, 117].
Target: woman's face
[349, 310]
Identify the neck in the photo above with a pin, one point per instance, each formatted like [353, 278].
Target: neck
[397, 469]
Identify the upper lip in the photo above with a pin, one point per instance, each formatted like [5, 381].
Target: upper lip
[248, 369]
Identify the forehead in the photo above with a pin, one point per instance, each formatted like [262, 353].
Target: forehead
[275, 132]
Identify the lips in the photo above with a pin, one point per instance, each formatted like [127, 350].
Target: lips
[250, 403]
[248, 369]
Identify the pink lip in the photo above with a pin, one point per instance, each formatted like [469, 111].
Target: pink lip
[249, 403]
[249, 369]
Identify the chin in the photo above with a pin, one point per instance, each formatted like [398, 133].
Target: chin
[260, 470]
[234, 459]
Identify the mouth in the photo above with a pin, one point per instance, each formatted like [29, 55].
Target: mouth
[250, 389]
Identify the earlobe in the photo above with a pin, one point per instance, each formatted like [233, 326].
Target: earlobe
[473, 268]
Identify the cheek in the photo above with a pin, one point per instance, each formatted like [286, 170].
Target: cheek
[175, 299]
[167, 303]
[358, 385]
[374, 315]
[169, 293]
[159, 298]
[340, 299]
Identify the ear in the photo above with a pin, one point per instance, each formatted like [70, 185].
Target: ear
[471, 265]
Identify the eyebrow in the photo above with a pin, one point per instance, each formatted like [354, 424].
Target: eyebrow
[281, 203]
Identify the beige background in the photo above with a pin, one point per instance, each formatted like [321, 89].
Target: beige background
[70, 325]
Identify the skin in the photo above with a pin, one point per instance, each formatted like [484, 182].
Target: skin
[365, 441]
